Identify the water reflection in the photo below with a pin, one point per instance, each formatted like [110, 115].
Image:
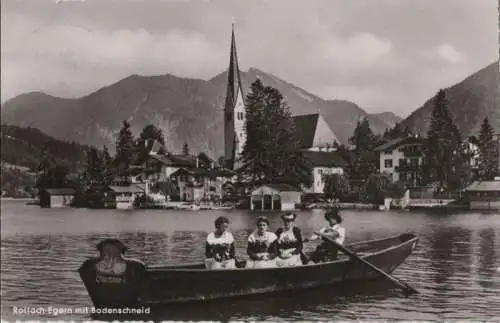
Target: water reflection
[488, 276]
[454, 265]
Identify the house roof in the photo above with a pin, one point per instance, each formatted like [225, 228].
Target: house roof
[305, 128]
[325, 158]
[203, 172]
[126, 189]
[60, 191]
[392, 144]
[176, 160]
[280, 187]
[484, 186]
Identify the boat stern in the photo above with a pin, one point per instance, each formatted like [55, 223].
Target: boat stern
[112, 280]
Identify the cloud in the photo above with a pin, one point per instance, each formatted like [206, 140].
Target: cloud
[360, 49]
[449, 54]
[393, 54]
[69, 53]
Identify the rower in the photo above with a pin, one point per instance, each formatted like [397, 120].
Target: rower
[325, 251]
[219, 248]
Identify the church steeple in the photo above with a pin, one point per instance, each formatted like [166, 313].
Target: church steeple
[234, 110]
[234, 79]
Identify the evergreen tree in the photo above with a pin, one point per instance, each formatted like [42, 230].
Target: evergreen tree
[148, 136]
[396, 132]
[366, 160]
[125, 149]
[488, 164]
[444, 155]
[93, 173]
[53, 177]
[185, 149]
[108, 170]
[271, 152]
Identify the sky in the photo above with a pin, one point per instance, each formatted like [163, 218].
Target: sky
[384, 55]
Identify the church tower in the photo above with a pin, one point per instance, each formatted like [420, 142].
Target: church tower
[234, 112]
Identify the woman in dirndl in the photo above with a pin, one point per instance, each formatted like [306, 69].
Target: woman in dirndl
[261, 246]
[327, 251]
[289, 245]
[219, 248]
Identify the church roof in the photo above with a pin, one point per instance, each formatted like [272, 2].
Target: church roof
[313, 131]
[325, 158]
[234, 80]
[305, 128]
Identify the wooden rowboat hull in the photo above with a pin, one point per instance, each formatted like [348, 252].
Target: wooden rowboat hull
[171, 284]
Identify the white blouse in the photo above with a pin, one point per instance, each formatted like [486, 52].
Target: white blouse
[336, 227]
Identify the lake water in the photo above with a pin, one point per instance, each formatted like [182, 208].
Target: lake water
[456, 265]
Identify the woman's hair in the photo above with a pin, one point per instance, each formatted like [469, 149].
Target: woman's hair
[333, 214]
[114, 242]
[289, 216]
[220, 220]
[262, 219]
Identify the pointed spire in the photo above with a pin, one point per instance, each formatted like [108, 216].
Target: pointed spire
[234, 79]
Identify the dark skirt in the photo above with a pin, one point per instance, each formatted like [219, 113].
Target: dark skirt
[325, 252]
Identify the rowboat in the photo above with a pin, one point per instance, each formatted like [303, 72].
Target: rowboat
[142, 285]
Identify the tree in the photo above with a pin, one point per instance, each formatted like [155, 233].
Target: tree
[444, 154]
[147, 138]
[363, 138]
[396, 132]
[375, 188]
[125, 149]
[366, 159]
[336, 186]
[271, 152]
[53, 177]
[108, 172]
[93, 172]
[185, 149]
[488, 164]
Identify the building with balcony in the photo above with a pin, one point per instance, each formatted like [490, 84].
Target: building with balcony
[402, 159]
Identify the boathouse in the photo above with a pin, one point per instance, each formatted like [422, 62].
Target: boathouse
[484, 195]
[276, 197]
[124, 196]
[56, 197]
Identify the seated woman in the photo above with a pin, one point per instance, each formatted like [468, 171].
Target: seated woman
[219, 248]
[289, 245]
[261, 246]
[326, 251]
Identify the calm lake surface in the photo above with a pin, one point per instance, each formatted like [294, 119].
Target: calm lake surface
[456, 265]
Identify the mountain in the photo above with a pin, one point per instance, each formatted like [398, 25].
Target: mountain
[469, 102]
[24, 149]
[187, 110]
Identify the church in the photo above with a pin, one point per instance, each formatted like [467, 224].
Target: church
[315, 135]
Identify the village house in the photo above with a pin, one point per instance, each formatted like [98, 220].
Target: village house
[484, 195]
[401, 159]
[56, 197]
[123, 197]
[196, 184]
[324, 163]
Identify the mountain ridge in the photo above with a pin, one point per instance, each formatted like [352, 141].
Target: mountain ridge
[469, 101]
[191, 109]
[186, 109]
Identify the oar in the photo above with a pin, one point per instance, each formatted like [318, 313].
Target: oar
[407, 288]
